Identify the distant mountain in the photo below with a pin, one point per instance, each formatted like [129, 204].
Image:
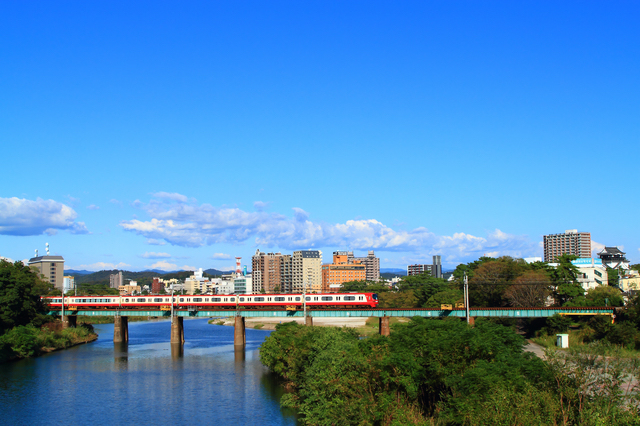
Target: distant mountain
[396, 271]
[77, 272]
[217, 272]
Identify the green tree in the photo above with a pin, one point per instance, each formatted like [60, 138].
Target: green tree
[565, 278]
[20, 290]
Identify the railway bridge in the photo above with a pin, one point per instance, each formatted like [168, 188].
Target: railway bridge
[121, 328]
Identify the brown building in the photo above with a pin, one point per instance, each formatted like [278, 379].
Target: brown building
[342, 270]
[50, 269]
[156, 286]
[571, 242]
[371, 262]
[271, 272]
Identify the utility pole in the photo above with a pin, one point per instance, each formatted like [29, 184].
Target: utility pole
[466, 296]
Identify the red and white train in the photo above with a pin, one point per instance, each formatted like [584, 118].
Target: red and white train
[219, 301]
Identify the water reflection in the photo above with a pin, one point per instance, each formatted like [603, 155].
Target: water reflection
[121, 355]
[177, 351]
[240, 354]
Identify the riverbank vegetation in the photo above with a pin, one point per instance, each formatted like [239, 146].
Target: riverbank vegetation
[25, 329]
[444, 372]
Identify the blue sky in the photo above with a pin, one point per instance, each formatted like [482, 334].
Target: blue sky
[172, 135]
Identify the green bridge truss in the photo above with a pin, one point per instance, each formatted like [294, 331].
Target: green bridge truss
[428, 313]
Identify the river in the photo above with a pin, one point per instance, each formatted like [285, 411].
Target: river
[145, 382]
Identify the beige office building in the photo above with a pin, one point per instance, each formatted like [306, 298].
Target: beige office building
[307, 271]
[371, 262]
[50, 269]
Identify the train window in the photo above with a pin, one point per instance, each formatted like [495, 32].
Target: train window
[327, 298]
[359, 297]
[126, 300]
[290, 299]
[308, 299]
[315, 298]
[233, 299]
[215, 299]
[279, 299]
[258, 299]
[140, 300]
[297, 299]
[206, 299]
[268, 299]
[226, 299]
[337, 298]
[166, 299]
[182, 299]
[197, 299]
[84, 300]
[347, 298]
[157, 299]
[242, 299]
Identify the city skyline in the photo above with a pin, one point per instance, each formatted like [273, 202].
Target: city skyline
[196, 133]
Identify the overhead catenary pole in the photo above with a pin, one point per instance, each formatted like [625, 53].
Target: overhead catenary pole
[466, 296]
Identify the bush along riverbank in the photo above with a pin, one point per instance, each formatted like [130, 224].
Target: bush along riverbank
[440, 372]
[27, 341]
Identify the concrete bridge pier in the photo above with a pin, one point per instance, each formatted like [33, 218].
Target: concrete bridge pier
[384, 326]
[69, 321]
[239, 335]
[177, 330]
[308, 320]
[120, 329]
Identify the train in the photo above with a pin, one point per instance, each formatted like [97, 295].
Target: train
[218, 301]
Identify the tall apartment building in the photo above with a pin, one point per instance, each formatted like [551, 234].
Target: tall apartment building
[342, 270]
[271, 272]
[116, 280]
[435, 269]
[307, 269]
[371, 262]
[50, 269]
[571, 242]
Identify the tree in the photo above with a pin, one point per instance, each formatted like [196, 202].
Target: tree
[530, 289]
[565, 278]
[488, 284]
[600, 296]
[20, 290]
[197, 291]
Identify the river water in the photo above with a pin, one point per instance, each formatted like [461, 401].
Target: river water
[146, 382]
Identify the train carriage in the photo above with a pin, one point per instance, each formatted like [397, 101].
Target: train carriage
[221, 301]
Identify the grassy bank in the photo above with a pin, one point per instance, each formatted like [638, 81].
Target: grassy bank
[110, 319]
[580, 342]
[28, 341]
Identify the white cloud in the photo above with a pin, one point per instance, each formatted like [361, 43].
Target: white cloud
[116, 202]
[260, 205]
[221, 256]
[154, 242]
[153, 255]
[167, 266]
[596, 248]
[174, 196]
[192, 225]
[19, 216]
[100, 266]
[93, 207]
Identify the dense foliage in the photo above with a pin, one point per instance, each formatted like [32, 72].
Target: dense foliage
[20, 291]
[431, 372]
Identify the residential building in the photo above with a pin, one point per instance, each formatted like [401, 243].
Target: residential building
[267, 271]
[197, 281]
[436, 269]
[371, 262]
[630, 281]
[591, 272]
[68, 283]
[307, 271]
[419, 269]
[116, 280]
[613, 257]
[156, 286]
[571, 242]
[343, 269]
[131, 288]
[50, 268]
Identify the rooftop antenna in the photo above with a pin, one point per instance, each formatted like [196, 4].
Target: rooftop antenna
[36, 252]
[47, 249]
